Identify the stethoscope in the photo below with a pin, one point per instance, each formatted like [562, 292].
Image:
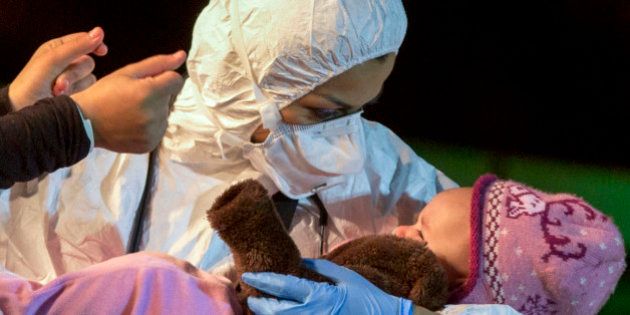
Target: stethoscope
[285, 206]
[323, 222]
[136, 229]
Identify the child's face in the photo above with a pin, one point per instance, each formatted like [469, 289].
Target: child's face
[444, 224]
[343, 94]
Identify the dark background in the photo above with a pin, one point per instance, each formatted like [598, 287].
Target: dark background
[537, 77]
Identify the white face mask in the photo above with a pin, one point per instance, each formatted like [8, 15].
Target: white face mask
[303, 159]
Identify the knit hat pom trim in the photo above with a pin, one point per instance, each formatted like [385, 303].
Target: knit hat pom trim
[476, 217]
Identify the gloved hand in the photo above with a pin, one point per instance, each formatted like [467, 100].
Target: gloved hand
[353, 294]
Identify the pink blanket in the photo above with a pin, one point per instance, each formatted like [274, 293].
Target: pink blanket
[142, 283]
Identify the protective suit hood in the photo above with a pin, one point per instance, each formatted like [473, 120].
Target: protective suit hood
[249, 59]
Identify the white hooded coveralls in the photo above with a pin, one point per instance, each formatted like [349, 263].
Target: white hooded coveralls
[247, 57]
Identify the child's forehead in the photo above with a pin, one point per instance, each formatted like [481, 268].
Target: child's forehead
[448, 210]
[452, 200]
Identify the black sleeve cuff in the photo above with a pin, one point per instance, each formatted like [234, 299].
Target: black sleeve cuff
[41, 138]
[5, 102]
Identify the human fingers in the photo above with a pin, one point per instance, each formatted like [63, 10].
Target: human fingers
[167, 83]
[81, 85]
[154, 65]
[280, 285]
[66, 51]
[56, 42]
[79, 69]
[264, 306]
[101, 50]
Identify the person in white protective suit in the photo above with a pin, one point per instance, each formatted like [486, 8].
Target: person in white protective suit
[293, 74]
[275, 93]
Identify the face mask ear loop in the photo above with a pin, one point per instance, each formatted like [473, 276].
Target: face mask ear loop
[217, 138]
[219, 135]
[222, 137]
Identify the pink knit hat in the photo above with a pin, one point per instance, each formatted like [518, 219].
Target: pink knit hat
[540, 253]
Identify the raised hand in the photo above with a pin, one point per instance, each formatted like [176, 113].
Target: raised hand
[129, 108]
[59, 66]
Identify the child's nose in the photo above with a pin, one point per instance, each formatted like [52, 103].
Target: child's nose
[408, 231]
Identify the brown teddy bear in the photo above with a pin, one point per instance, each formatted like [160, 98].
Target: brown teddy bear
[246, 219]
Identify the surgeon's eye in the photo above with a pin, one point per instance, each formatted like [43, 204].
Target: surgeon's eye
[326, 113]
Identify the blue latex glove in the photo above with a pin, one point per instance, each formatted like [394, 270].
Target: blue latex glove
[353, 294]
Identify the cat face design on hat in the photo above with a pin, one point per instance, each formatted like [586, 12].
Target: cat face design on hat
[524, 201]
[555, 216]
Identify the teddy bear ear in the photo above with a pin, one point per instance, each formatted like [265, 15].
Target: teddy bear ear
[237, 203]
[249, 186]
[431, 289]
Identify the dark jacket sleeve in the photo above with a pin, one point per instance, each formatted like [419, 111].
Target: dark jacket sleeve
[5, 102]
[41, 138]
